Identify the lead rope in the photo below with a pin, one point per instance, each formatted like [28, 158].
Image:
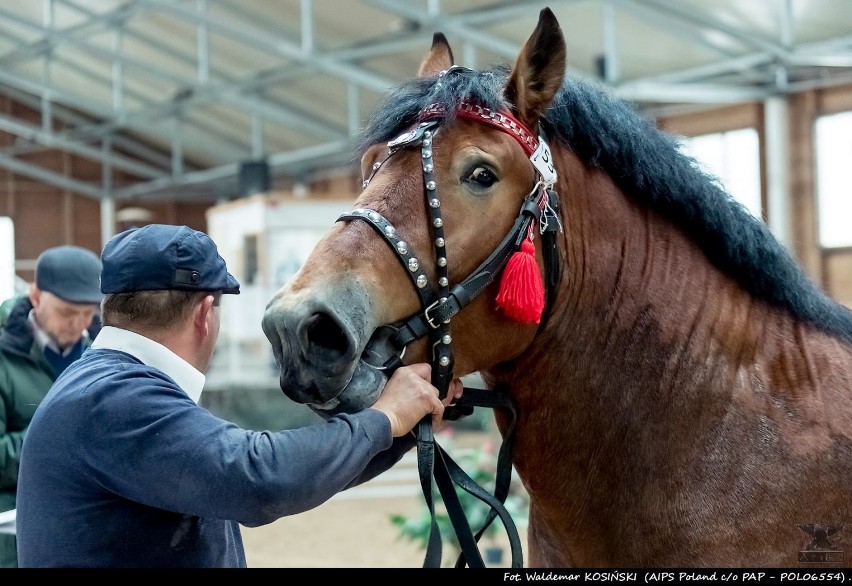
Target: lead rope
[434, 462]
[493, 399]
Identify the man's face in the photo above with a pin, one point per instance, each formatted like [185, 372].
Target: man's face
[63, 321]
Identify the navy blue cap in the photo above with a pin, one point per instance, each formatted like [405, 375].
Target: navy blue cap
[157, 257]
[69, 272]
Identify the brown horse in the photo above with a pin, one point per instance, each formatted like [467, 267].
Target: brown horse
[685, 392]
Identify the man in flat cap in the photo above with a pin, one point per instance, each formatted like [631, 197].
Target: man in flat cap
[42, 334]
[122, 468]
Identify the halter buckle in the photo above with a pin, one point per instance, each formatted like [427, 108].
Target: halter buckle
[430, 319]
[411, 136]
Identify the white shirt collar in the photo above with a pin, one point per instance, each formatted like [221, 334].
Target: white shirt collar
[44, 340]
[154, 354]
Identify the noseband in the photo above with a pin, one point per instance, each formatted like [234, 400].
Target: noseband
[439, 303]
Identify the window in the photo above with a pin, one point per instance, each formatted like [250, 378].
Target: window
[734, 158]
[834, 179]
[250, 274]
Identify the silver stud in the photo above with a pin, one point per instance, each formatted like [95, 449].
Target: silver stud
[443, 281]
[444, 361]
[429, 167]
[430, 185]
[376, 165]
[413, 264]
[402, 247]
[365, 183]
[439, 242]
[442, 262]
[375, 216]
[427, 141]
[434, 202]
[437, 222]
[443, 299]
[446, 339]
[421, 281]
[390, 231]
[427, 154]
[428, 134]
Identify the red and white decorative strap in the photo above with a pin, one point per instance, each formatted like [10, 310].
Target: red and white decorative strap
[536, 148]
[501, 120]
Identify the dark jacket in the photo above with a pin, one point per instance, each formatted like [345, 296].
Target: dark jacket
[122, 469]
[25, 377]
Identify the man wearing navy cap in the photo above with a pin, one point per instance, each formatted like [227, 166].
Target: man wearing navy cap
[42, 334]
[122, 468]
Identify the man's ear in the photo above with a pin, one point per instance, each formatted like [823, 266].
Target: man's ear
[202, 312]
[35, 295]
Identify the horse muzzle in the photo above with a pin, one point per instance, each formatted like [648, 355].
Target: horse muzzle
[329, 354]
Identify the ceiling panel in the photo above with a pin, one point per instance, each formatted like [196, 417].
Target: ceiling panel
[190, 88]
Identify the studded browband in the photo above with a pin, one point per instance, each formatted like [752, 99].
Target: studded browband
[503, 121]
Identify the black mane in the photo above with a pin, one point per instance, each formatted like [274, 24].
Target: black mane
[646, 164]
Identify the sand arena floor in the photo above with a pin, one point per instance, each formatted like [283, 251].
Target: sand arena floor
[353, 529]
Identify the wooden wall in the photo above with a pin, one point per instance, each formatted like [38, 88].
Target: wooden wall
[46, 216]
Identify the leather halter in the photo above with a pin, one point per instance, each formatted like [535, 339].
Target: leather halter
[440, 303]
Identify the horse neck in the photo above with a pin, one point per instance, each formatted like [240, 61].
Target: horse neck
[643, 329]
[633, 283]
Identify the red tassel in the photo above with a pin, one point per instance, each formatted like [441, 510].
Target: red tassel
[521, 295]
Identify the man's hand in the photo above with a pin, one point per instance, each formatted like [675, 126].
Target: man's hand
[409, 396]
[454, 393]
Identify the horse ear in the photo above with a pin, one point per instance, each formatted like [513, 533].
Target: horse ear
[439, 58]
[538, 72]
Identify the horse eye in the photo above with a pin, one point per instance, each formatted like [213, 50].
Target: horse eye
[481, 176]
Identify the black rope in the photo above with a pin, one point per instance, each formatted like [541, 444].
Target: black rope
[425, 464]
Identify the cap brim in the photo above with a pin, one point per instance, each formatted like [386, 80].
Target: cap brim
[233, 286]
[84, 300]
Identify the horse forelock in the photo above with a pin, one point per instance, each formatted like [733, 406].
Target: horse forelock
[647, 165]
[400, 109]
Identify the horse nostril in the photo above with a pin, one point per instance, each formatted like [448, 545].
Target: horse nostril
[323, 333]
[272, 334]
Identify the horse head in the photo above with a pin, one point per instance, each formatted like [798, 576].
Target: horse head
[441, 209]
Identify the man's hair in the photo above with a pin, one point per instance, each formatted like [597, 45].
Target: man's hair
[151, 311]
